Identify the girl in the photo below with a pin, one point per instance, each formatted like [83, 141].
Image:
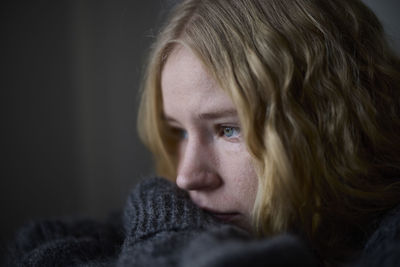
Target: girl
[278, 116]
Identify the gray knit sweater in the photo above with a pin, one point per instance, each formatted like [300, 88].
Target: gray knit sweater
[160, 226]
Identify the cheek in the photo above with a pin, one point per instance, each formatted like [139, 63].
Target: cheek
[237, 171]
[180, 148]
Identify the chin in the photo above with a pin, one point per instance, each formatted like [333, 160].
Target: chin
[235, 219]
[244, 225]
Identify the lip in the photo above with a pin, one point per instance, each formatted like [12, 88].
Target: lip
[223, 216]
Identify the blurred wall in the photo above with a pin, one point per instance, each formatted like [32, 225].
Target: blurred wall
[70, 73]
[388, 12]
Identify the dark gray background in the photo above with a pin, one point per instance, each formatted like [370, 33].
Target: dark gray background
[70, 73]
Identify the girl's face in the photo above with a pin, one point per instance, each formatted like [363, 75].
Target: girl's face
[214, 167]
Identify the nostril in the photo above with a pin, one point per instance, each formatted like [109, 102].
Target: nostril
[198, 181]
[182, 182]
[189, 182]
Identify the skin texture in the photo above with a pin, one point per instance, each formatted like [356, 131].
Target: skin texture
[214, 164]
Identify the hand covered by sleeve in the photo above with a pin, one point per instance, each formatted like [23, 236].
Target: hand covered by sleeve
[159, 222]
[160, 226]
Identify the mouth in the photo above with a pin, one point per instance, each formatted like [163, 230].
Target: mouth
[223, 216]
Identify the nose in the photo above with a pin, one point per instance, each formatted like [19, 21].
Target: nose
[197, 167]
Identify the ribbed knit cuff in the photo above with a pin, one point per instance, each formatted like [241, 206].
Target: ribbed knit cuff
[157, 205]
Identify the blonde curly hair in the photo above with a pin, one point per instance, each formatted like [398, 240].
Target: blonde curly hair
[317, 90]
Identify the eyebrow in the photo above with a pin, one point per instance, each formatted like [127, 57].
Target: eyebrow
[209, 115]
[217, 114]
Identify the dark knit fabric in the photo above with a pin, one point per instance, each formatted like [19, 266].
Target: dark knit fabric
[65, 243]
[159, 221]
[229, 246]
[160, 226]
[383, 247]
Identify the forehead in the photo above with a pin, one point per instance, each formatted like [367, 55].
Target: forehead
[184, 69]
[187, 86]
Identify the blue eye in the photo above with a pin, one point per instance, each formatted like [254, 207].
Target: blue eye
[184, 134]
[179, 133]
[230, 131]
